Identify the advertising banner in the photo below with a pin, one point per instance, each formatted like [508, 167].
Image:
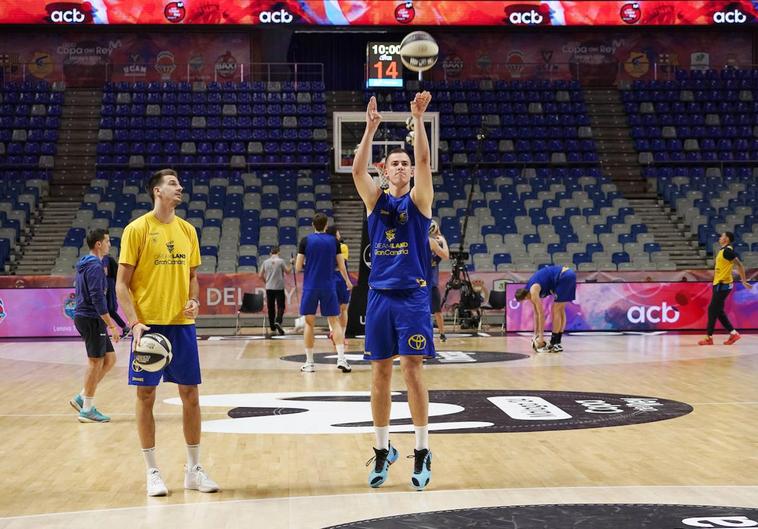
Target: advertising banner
[638, 307]
[89, 59]
[382, 12]
[593, 57]
[32, 312]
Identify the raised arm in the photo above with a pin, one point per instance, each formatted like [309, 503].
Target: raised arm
[422, 193]
[365, 185]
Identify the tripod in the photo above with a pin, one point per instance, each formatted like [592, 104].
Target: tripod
[467, 309]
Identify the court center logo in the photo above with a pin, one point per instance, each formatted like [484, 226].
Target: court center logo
[450, 411]
[417, 342]
[618, 516]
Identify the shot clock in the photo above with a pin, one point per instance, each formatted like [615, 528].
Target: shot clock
[384, 67]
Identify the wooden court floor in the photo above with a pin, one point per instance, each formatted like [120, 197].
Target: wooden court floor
[284, 463]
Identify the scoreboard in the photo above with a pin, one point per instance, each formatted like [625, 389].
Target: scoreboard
[383, 64]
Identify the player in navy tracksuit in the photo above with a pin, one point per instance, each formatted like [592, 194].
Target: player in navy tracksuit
[318, 255]
[398, 320]
[556, 280]
[91, 319]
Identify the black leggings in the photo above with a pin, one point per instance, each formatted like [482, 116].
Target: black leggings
[716, 310]
[275, 303]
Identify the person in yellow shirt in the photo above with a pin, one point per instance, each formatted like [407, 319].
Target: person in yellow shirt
[726, 259]
[157, 288]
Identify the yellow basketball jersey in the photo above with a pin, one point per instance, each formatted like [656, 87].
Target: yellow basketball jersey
[162, 255]
[344, 251]
[723, 269]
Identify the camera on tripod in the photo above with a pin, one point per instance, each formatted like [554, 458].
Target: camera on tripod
[467, 309]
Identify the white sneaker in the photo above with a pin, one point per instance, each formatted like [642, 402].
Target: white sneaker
[343, 366]
[557, 348]
[308, 367]
[155, 485]
[195, 478]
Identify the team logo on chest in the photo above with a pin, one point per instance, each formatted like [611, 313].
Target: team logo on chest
[170, 246]
[390, 234]
[402, 217]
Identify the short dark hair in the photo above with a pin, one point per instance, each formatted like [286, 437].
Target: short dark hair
[397, 150]
[95, 236]
[521, 294]
[156, 178]
[274, 249]
[332, 230]
[319, 221]
[729, 235]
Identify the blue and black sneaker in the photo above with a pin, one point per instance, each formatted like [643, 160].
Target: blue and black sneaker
[382, 460]
[422, 468]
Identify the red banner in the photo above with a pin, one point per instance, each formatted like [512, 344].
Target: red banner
[383, 12]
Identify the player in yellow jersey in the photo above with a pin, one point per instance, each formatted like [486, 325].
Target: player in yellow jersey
[158, 289]
[726, 259]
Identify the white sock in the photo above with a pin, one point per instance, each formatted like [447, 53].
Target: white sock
[340, 352]
[81, 393]
[309, 355]
[89, 402]
[149, 455]
[193, 455]
[382, 434]
[422, 437]
[734, 331]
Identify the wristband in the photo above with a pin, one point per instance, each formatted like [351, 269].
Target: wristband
[133, 324]
[196, 301]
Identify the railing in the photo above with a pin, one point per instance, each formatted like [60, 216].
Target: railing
[95, 75]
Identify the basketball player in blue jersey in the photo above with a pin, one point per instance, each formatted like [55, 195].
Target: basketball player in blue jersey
[558, 281]
[398, 320]
[318, 255]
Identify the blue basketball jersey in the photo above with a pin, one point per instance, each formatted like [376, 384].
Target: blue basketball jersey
[400, 253]
[547, 279]
[320, 250]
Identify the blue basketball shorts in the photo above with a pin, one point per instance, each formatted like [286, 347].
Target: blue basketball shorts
[323, 298]
[184, 368]
[565, 290]
[343, 294]
[398, 322]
